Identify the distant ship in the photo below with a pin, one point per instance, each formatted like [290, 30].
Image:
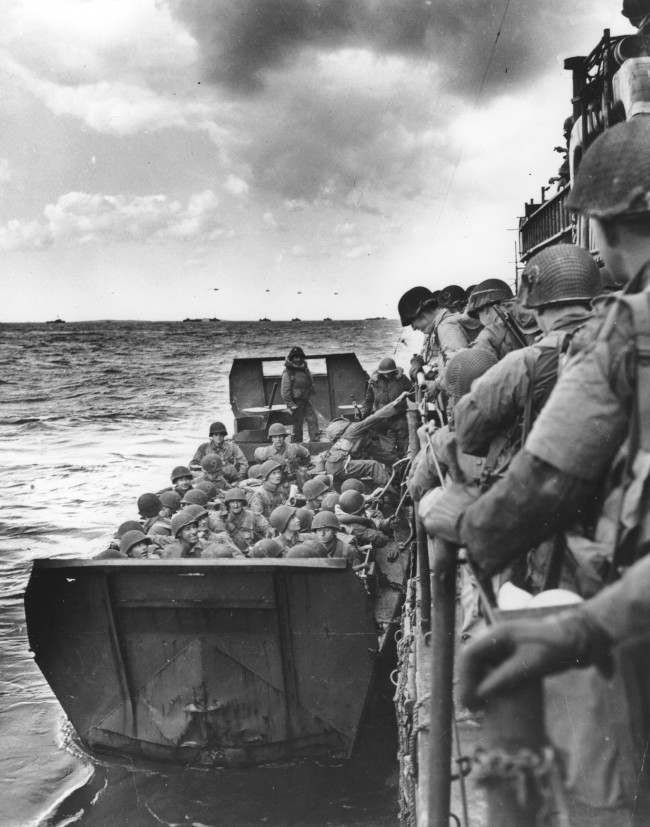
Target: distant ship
[374, 318]
[327, 319]
[264, 320]
[296, 319]
[55, 321]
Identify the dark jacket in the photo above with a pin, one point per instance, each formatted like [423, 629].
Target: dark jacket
[384, 388]
[297, 385]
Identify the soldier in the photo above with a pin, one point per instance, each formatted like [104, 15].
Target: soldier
[287, 525]
[326, 525]
[594, 427]
[243, 526]
[170, 502]
[444, 335]
[345, 457]
[235, 464]
[186, 536]
[384, 386]
[113, 550]
[293, 456]
[137, 546]
[148, 508]
[296, 389]
[270, 493]
[354, 521]
[182, 479]
[314, 491]
[266, 548]
[506, 326]
[194, 497]
[213, 472]
[497, 414]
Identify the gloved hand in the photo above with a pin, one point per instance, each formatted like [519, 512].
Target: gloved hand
[515, 651]
[441, 510]
[415, 366]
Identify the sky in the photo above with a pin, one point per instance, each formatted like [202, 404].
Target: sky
[163, 159]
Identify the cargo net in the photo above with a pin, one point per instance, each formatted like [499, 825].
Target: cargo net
[405, 700]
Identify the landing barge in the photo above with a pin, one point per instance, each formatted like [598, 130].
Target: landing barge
[227, 662]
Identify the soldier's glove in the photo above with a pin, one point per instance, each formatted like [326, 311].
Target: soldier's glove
[442, 509]
[515, 651]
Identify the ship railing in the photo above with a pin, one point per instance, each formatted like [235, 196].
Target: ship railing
[550, 223]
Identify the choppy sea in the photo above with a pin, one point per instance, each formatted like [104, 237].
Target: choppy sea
[92, 415]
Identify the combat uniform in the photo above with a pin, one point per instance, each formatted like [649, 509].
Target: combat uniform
[244, 529]
[265, 498]
[293, 457]
[498, 338]
[296, 389]
[382, 389]
[235, 464]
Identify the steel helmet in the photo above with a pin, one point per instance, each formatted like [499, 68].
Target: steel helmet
[198, 511]
[170, 499]
[217, 428]
[149, 505]
[451, 295]
[413, 302]
[306, 516]
[208, 489]
[465, 366]
[180, 471]
[129, 525]
[302, 551]
[160, 530]
[255, 472]
[559, 274]
[266, 548]
[352, 502]
[132, 538]
[280, 516]
[488, 292]
[181, 520]
[314, 488]
[194, 497]
[268, 467]
[278, 429]
[352, 484]
[387, 365]
[296, 353]
[325, 519]
[330, 501]
[235, 495]
[614, 176]
[211, 463]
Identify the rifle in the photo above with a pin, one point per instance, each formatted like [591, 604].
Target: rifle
[358, 413]
[511, 325]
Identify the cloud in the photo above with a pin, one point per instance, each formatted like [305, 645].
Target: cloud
[236, 186]
[79, 218]
[240, 40]
[5, 171]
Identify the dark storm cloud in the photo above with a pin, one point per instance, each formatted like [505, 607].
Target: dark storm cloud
[240, 39]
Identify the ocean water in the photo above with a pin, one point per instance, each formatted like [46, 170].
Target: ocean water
[91, 416]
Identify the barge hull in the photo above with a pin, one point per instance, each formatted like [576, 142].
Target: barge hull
[213, 662]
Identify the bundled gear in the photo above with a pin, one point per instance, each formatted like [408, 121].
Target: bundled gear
[466, 366]
[561, 274]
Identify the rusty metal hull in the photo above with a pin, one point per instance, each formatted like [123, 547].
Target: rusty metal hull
[222, 662]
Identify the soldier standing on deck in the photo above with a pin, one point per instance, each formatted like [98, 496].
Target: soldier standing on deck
[385, 385]
[594, 427]
[296, 389]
